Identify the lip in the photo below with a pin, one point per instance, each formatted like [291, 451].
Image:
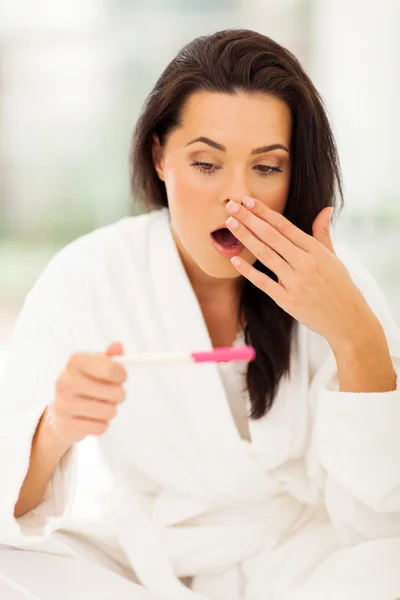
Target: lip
[228, 252]
[222, 226]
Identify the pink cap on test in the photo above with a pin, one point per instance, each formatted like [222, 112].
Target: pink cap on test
[228, 354]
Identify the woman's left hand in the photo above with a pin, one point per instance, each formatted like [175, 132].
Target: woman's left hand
[313, 285]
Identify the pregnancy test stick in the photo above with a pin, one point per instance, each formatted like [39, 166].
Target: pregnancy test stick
[228, 354]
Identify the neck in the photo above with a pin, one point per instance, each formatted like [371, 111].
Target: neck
[210, 290]
[219, 300]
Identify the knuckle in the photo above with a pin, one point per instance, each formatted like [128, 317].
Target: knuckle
[261, 209]
[264, 254]
[120, 394]
[270, 234]
[64, 384]
[111, 411]
[100, 428]
[103, 410]
[314, 243]
[111, 368]
[303, 263]
[121, 373]
[75, 359]
[245, 214]
[114, 372]
[282, 225]
[76, 407]
[242, 234]
[258, 280]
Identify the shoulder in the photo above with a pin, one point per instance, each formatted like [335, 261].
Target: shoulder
[102, 255]
[107, 245]
[110, 239]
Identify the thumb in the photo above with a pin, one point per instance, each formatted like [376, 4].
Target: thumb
[322, 228]
[115, 349]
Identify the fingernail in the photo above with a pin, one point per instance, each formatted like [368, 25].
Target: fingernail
[232, 206]
[249, 202]
[232, 223]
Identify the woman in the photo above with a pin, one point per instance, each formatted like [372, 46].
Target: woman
[279, 481]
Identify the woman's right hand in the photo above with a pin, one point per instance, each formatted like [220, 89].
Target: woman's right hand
[88, 393]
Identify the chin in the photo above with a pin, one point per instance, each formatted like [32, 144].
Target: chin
[228, 272]
[219, 268]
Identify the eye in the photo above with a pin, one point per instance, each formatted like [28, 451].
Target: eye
[209, 169]
[265, 170]
[205, 168]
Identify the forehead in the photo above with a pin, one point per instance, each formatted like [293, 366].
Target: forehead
[258, 118]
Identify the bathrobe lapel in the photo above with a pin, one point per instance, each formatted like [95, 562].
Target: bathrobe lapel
[222, 457]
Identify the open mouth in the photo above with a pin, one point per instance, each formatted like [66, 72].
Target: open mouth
[225, 238]
[225, 243]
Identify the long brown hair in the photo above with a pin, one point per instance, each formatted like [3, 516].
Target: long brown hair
[227, 62]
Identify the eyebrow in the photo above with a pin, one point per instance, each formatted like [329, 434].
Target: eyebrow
[261, 150]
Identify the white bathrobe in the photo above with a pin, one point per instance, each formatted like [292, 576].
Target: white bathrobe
[310, 506]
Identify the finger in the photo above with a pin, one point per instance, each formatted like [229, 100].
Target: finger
[99, 367]
[115, 349]
[261, 251]
[321, 229]
[83, 427]
[77, 384]
[97, 410]
[268, 234]
[107, 392]
[282, 224]
[261, 281]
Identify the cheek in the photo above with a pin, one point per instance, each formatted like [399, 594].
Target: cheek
[275, 193]
[177, 186]
[177, 183]
[187, 194]
[184, 204]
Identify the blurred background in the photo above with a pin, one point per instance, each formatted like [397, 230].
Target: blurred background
[73, 76]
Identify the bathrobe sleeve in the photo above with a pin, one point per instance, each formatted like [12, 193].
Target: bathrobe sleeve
[357, 437]
[40, 346]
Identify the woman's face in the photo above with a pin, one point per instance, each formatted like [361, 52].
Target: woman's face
[231, 161]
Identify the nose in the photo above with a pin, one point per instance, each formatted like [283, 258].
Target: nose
[236, 190]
